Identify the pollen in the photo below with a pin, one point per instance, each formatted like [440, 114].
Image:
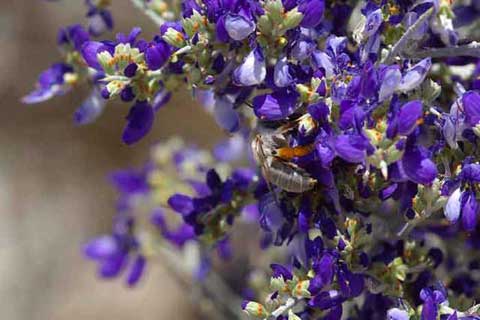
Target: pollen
[298, 289]
[196, 26]
[393, 9]
[179, 37]
[259, 309]
[70, 78]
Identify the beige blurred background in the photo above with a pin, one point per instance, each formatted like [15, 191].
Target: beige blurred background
[53, 189]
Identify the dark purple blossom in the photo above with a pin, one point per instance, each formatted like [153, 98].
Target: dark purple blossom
[50, 83]
[157, 54]
[139, 122]
[275, 106]
[351, 147]
[312, 11]
[471, 106]
[418, 166]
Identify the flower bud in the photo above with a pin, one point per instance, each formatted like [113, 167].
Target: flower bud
[174, 37]
[293, 316]
[292, 19]
[300, 290]
[115, 87]
[277, 283]
[254, 309]
[393, 154]
[275, 11]
[105, 60]
[192, 24]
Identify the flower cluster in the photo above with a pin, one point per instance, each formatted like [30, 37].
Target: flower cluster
[363, 121]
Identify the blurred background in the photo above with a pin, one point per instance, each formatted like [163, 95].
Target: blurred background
[54, 193]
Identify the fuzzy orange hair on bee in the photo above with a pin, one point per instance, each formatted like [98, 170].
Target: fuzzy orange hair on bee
[288, 153]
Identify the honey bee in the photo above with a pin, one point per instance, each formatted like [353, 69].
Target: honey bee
[273, 153]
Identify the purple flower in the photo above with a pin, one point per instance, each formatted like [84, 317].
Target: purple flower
[325, 269]
[322, 60]
[113, 252]
[243, 178]
[281, 74]
[50, 83]
[387, 192]
[181, 203]
[90, 50]
[238, 27]
[178, 237]
[75, 35]
[319, 111]
[417, 165]
[369, 81]
[407, 118]
[302, 50]
[131, 38]
[312, 11]
[230, 149]
[99, 21]
[280, 271]
[252, 71]
[471, 106]
[275, 106]
[351, 147]
[374, 20]
[469, 207]
[470, 173]
[453, 206]
[161, 98]
[390, 77]
[414, 76]
[431, 300]
[221, 31]
[90, 109]
[102, 247]
[139, 122]
[454, 125]
[136, 270]
[157, 54]
[326, 300]
[130, 181]
[271, 215]
[351, 284]
[325, 153]
[225, 115]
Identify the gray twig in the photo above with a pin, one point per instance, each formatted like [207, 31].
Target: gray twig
[470, 50]
[402, 43]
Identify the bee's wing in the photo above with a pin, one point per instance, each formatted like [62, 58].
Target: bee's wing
[264, 161]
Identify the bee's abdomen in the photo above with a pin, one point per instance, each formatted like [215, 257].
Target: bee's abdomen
[288, 178]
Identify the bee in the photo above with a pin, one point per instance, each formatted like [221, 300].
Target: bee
[273, 153]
